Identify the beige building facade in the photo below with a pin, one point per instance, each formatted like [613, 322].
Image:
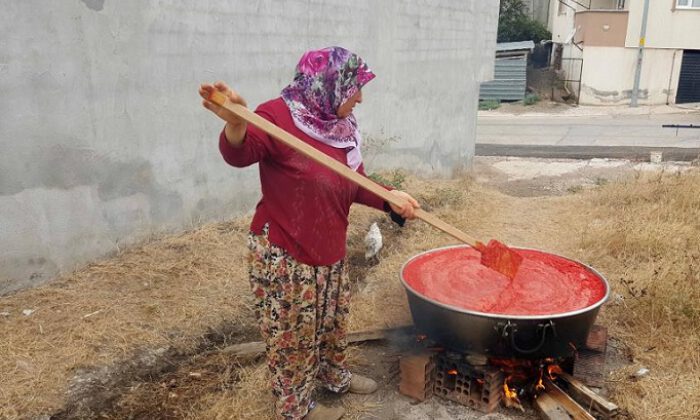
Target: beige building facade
[596, 48]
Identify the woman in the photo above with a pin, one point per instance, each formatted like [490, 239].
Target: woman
[298, 234]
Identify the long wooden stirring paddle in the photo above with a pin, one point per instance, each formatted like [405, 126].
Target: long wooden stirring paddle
[495, 255]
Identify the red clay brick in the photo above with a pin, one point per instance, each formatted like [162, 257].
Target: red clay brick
[416, 368]
[421, 393]
[416, 372]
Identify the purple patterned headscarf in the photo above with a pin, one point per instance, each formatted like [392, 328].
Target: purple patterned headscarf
[324, 80]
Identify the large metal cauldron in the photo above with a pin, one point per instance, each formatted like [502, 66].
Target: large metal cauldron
[531, 337]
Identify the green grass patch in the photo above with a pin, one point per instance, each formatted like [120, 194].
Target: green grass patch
[394, 178]
[531, 99]
[489, 104]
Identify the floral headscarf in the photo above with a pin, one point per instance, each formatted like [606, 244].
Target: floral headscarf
[324, 80]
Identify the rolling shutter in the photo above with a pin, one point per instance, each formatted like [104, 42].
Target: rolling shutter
[689, 82]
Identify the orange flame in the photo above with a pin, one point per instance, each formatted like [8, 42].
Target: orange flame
[539, 386]
[554, 370]
[452, 371]
[511, 399]
[510, 393]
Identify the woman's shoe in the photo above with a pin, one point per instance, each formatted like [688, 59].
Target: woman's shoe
[321, 412]
[362, 385]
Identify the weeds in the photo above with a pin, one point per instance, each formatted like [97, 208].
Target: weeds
[394, 178]
[489, 105]
[531, 99]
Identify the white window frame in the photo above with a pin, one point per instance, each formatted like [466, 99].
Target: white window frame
[689, 6]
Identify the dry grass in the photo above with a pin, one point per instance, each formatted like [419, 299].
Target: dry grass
[213, 387]
[644, 234]
[250, 399]
[166, 293]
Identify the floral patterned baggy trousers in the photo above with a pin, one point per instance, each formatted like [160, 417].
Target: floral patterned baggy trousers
[303, 312]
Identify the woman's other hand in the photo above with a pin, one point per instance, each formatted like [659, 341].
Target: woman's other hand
[235, 127]
[408, 210]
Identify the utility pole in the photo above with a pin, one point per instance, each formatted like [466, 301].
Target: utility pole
[640, 56]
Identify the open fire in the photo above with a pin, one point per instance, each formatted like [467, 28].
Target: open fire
[524, 378]
[484, 383]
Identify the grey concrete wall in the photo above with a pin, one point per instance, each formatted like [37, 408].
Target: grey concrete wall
[104, 141]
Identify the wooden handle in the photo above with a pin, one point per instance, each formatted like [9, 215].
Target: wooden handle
[332, 164]
[435, 221]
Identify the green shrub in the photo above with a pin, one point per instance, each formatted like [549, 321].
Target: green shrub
[489, 104]
[394, 178]
[531, 99]
[515, 25]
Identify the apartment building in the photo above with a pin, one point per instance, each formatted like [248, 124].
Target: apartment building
[596, 49]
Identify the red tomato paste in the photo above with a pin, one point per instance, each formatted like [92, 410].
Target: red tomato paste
[545, 284]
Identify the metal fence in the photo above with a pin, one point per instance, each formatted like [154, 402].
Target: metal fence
[570, 79]
[510, 81]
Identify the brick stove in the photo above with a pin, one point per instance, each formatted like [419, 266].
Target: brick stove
[478, 382]
[478, 387]
[453, 377]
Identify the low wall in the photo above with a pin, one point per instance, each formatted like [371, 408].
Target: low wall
[104, 140]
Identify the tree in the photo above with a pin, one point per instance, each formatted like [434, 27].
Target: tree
[515, 25]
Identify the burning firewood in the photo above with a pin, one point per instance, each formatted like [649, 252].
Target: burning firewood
[511, 399]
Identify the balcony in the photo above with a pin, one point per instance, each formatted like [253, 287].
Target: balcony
[601, 28]
[591, 22]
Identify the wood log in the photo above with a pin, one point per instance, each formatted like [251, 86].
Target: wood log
[245, 349]
[575, 411]
[588, 397]
[258, 347]
[550, 409]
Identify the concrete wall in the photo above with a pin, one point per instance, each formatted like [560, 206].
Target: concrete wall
[562, 21]
[667, 27]
[102, 134]
[608, 75]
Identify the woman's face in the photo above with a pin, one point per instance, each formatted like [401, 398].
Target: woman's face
[346, 108]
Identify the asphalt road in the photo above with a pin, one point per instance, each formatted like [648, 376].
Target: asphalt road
[585, 137]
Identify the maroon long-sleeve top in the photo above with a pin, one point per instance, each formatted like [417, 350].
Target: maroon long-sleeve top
[305, 204]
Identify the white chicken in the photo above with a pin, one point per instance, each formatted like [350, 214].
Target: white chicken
[373, 241]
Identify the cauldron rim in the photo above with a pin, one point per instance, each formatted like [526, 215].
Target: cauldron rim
[506, 316]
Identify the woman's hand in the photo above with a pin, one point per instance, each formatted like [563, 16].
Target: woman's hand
[408, 210]
[235, 127]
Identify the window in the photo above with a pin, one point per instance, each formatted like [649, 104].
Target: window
[688, 4]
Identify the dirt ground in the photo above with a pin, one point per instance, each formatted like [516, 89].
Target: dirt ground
[140, 335]
[533, 177]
